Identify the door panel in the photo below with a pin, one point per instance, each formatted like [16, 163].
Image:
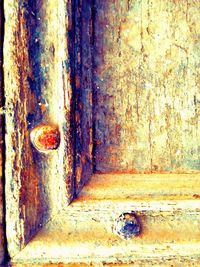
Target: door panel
[146, 80]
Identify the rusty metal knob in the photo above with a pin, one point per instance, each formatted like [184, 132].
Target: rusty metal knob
[127, 225]
[45, 138]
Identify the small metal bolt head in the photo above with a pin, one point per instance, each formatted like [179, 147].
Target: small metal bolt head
[127, 226]
[45, 138]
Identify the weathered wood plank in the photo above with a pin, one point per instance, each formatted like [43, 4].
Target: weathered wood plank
[147, 85]
[38, 90]
[2, 224]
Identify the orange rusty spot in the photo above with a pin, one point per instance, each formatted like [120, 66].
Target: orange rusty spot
[196, 196]
[98, 142]
[155, 168]
[77, 81]
[78, 173]
[78, 118]
[45, 137]
[83, 159]
[43, 108]
[147, 171]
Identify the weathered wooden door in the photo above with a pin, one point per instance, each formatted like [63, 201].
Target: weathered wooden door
[102, 132]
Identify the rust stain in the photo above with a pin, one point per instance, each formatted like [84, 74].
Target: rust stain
[77, 81]
[45, 137]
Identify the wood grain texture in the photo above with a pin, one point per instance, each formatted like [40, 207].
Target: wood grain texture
[144, 187]
[2, 224]
[38, 90]
[146, 82]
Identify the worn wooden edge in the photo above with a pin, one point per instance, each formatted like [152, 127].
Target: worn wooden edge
[16, 70]
[156, 263]
[2, 130]
[65, 37]
[146, 187]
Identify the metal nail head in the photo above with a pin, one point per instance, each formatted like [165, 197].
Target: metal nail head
[127, 225]
[45, 138]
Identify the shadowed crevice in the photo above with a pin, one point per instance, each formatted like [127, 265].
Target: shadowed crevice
[2, 133]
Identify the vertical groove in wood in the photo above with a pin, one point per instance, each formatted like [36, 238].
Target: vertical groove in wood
[67, 59]
[2, 224]
[83, 84]
[38, 91]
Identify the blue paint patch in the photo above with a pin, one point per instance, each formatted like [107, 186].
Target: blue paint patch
[30, 118]
[193, 164]
[66, 64]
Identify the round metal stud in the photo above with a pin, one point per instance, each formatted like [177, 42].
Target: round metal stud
[45, 138]
[127, 225]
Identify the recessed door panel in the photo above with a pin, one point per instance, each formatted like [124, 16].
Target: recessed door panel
[146, 86]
